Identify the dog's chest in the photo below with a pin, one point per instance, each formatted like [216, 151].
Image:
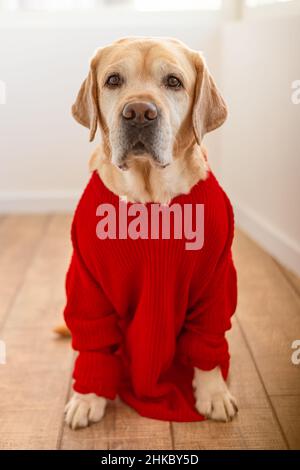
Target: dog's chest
[149, 257]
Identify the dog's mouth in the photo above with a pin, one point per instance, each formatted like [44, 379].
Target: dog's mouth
[134, 150]
[139, 148]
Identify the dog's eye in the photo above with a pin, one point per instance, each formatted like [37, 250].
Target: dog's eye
[173, 82]
[114, 80]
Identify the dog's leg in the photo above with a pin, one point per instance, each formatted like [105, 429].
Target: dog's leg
[213, 399]
[83, 409]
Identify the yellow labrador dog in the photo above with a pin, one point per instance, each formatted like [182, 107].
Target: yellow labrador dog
[164, 87]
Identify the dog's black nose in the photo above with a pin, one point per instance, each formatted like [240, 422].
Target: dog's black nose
[140, 113]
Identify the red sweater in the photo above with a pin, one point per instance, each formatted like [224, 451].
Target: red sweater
[144, 312]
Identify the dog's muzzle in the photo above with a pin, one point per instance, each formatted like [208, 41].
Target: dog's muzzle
[140, 126]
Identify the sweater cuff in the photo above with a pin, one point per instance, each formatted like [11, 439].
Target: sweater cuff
[97, 332]
[97, 372]
[204, 351]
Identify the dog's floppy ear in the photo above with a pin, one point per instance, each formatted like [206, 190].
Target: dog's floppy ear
[86, 108]
[209, 110]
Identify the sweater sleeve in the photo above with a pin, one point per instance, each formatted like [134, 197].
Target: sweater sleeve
[94, 329]
[202, 341]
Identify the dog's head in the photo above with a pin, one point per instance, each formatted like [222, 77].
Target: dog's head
[149, 96]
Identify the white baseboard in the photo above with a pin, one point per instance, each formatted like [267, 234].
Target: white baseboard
[38, 201]
[281, 247]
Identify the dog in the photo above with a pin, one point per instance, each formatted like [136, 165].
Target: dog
[153, 99]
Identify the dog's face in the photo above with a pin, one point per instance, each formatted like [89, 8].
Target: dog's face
[149, 96]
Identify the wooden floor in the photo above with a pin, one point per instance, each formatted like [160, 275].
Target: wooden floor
[36, 379]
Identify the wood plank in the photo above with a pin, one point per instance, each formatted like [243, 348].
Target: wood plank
[34, 381]
[33, 386]
[255, 427]
[19, 236]
[121, 429]
[269, 313]
[293, 279]
[288, 410]
[46, 280]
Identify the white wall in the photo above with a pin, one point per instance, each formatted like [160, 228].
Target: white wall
[256, 155]
[43, 152]
[260, 149]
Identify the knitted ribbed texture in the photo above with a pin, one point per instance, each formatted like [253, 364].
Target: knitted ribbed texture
[143, 312]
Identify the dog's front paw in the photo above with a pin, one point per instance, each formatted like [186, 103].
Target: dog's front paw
[213, 399]
[83, 409]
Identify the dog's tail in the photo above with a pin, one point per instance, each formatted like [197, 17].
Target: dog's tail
[62, 330]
